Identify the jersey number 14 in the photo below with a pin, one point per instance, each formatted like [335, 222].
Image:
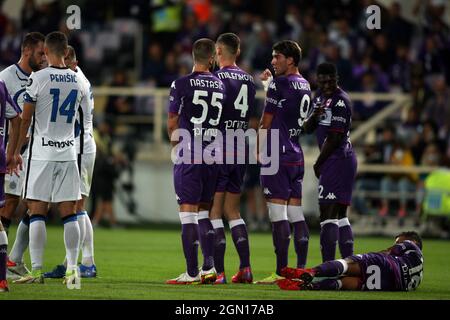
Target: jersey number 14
[67, 108]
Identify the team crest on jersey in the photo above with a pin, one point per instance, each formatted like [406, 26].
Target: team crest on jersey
[340, 103]
[327, 104]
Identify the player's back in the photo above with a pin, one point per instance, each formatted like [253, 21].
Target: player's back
[410, 260]
[291, 95]
[84, 125]
[238, 105]
[198, 100]
[57, 93]
[16, 80]
[240, 99]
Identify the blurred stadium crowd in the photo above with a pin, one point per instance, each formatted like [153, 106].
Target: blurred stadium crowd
[408, 56]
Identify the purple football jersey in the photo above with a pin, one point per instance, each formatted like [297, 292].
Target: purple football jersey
[288, 99]
[410, 260]
[198, 100]
[239, 104]
[337, 117]
[240, 100]
[8, 110]
[399, 270]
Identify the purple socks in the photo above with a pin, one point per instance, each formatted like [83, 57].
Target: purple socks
[329, 235]
[301, 239]
[345, 238]
[281, 233]
[240, 239]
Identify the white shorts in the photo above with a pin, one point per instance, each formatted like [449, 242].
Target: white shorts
[52, 181]
[13, 183]
[86, 166]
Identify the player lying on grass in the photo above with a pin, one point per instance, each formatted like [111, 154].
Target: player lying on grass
[398, 268]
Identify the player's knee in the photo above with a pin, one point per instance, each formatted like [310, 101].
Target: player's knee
[277, 212]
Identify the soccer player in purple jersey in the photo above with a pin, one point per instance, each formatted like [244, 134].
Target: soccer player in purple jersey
[240, 100]
[8, 110]
[398, 268]
[286, 107]
[336, 165]
[195, 108]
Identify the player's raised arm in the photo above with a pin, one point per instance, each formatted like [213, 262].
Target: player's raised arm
[310, 124]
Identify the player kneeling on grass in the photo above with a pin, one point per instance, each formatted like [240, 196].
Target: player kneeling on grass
[398, 268]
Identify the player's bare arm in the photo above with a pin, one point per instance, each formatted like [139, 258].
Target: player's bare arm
[27, 114]
[11, 160]
[172, 125]
[310, 124]
[265, 124]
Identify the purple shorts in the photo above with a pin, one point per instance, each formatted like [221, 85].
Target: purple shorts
[2, 190]
[195, 183]
[337, 177]
[285, 184]
[378, 272]
[231, 178]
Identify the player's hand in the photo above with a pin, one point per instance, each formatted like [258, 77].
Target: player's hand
[316, 170]
[10, 164]
[19, 164]
[266, 77]
[318, 111]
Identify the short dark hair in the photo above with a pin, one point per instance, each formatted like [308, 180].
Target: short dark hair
[56, 42]
[71, 55]
[327, 68]
[230, 41]
[203, 50]
[290, 49]
[411, 235]
[32, 39]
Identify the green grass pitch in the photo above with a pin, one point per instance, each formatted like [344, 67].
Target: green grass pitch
[134, 264]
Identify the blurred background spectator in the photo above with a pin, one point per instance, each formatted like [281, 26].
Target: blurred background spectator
[148, 44]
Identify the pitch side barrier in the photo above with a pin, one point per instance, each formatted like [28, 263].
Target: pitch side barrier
[157, 114]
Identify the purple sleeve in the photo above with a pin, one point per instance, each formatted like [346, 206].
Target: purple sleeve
[175, 98]
[272, 104]
[340, 116]
[12, 109]
[400, 248]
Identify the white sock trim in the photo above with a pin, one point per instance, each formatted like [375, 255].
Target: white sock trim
[235, 223]
[335, 221]
[339, 282]
[217, 223]
[295, 213]
[343, 222]
[277, 212]
[3, 238]
[204, 214]
[188, 217]
[344, 264]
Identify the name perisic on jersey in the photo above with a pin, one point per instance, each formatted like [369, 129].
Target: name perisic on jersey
[57, 144]
[63, 77]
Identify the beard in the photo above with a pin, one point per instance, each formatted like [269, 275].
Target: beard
[33, 64]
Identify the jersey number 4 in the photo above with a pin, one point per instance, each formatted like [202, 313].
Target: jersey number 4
[67, 108]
